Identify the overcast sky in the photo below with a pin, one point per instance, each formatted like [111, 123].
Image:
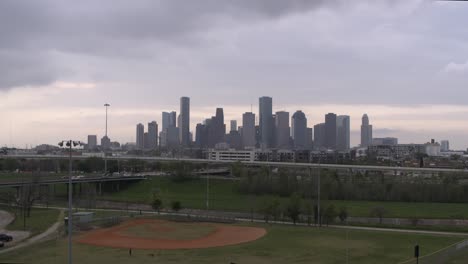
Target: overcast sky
[404, 63]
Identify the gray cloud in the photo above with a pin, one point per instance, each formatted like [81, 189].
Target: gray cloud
[115, 29]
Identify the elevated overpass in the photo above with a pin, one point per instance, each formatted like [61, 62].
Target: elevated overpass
[256, 163]
[64, 180]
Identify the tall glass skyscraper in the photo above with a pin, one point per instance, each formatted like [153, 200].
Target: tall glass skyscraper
[184, 121]
[366, 132]
[299, 130]
[266, 121]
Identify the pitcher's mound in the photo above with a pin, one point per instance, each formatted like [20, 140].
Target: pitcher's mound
[160, 234]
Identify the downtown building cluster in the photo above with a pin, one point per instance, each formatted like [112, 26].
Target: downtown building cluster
[265, 130]
[266, 136]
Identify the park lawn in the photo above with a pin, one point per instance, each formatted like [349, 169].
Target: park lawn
[282, 244]
[223, 195]
[39, 221]
[460, 258]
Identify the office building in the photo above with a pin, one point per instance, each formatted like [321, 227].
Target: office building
[216, 128]
[184, 121]
[233, 125]
[385, 141]
[282, 130]
[172, 137]
[140, 136]
[343, 132]
[330, 131]
[248, 130]
[310, 138]
[266, 121]
[92, 142]
[366, 132]
[299, 130]
[146, 140]
[234, 140]
[168, 122]
[201, 136]
[444, 146]
[152, 135]
[105, 142]
[319, 136]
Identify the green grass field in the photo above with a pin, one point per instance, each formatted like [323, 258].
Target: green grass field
[224, 196]
[282, 244]
[38, 222]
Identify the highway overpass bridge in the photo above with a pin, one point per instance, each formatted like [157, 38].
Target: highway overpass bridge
[257, 163]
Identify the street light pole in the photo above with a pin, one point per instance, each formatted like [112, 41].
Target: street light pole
[70, 189]
[70, 144]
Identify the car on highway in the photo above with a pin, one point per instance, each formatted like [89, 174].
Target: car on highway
[5, 238]
[2, 244]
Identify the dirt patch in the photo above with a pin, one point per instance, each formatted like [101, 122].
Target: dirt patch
[222, 235]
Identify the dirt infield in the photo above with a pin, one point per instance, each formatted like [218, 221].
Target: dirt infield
[170, 235]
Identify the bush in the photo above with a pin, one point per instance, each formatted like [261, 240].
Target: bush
[343, 215]
[157, 204]
[176, 206]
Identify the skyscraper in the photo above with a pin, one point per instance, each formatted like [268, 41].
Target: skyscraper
[169, 127]
[201, 136]
[140, 136]
[152, 135]
[146, 141]
[92, 142]
[172, 119]
[165, 120]
[309, 138]
[216, 128]
[366, 132]
[233, 125]
[266, 121]
[319, 136]
[282, 130]
[444, 145]
[184, 124]
[248, 130]
[299, 130]
[330, 131]
[343, 132]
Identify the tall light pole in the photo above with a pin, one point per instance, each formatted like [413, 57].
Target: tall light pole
[105, 155]
[69, 144]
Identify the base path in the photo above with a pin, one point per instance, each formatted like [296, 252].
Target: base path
[222, 235]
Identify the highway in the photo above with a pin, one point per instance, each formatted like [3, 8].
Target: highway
[76, 180]
[256, 163]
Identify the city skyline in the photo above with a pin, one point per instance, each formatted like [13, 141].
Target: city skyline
[56, 88]
[123, 134]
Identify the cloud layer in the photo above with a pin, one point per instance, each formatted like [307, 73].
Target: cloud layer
[346, 56]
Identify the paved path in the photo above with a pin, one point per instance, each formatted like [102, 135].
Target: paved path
[43, 236]
[5, 219]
